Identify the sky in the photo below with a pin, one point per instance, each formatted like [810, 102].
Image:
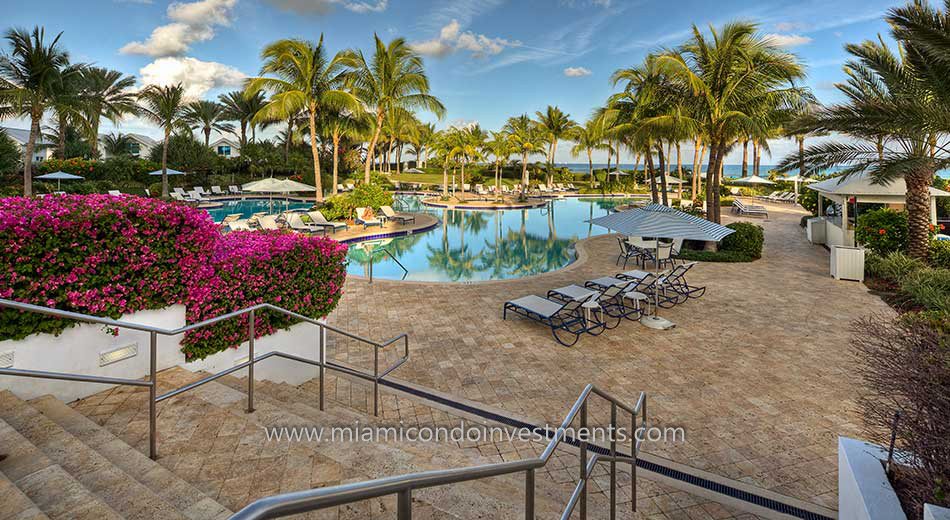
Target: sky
[487, 60]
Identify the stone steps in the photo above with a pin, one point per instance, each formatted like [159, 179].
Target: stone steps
[16, 505]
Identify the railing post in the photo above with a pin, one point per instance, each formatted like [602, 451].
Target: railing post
[529, 494]
[321, 346]
[250, 358]
[583, 469]
[376, 381]
[613, 463]
[633, 467]
[404, 505]
[152, 391]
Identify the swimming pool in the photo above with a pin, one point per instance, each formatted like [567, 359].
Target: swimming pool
[250, 206]
[484, 245]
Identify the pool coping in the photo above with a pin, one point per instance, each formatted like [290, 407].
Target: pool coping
[524, 205]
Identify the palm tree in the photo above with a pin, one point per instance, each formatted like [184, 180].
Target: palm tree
[466, 145]
[302, 77]
[526, 139]
[340, 124]
[393, 79]
[67, 107]
[587, 138]
[32, 73]
[106, 94]
[117, 144]
[897, 112]
[501, 149]
[729, 75]
[556, 125]
[165, 106]
[243, 109]
[207, 116]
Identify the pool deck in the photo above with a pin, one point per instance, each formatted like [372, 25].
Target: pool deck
[357, 232]
[758, 371]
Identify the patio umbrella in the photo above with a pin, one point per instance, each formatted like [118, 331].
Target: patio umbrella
[754, 180]
[271, 185]
[169, 170]
[413, 170]
[799, 179]
[669, 180]
[618, 173]
[59, 177]
[659, 221]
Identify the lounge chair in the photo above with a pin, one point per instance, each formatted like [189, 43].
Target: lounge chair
[316, 218]
[268, 223]
[367, 222]
[350, 187]
[201, 190]
[239, 225]
[217, 191]
[676, 281]
[604, 282]
[196, 196]
[231, 218]
[610, 301]
[234, 190]
[565, 319]
[402, 218]
[755, 210]
[114, 193]
[295, 222]
[340, 188]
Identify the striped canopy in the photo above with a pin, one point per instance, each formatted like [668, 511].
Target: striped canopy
[659, 221]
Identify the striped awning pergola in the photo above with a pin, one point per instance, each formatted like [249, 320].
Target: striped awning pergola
[659, 221]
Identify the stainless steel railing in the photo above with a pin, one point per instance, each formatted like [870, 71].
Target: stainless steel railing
[403, 485]
[154, 332]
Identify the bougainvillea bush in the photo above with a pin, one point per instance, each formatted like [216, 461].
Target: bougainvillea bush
[97, 254]
[300, 273]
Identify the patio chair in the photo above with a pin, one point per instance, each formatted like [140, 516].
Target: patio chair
[217, 191]
[196, 196]
[268, 223]
[340, 188]
[627, 252]
[402, 218]
[316, 218]
[367, 222]
[234, 190]
[660, 255]
[239, 225]
[179, 190]
[565, 319]
[350, 187]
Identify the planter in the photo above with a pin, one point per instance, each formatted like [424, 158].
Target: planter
[89, 350]
[847, 263]
[864, 492]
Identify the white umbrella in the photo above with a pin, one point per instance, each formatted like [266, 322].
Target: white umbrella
[798, 179]
[272, 185]
[59, 177]
[169, 170]
[413, 170]
[669, 180]
[754, 180]
[659, 221]
[618, 173]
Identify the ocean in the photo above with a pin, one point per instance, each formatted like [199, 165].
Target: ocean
[729, 170]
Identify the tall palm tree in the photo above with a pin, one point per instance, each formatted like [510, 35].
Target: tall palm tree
[729, 75]
[207, 116]
[106, 94]
[501, 149]
[243, 109]
[301, 76]
[587, 138]
[32, 73]
[166, 107]
[897, 112]
[393, 79]
[342, 124]
[67, 108]
[117, 144]
[526, 139]
[556, 126]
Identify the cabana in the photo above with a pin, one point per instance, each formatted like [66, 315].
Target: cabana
[848, 192]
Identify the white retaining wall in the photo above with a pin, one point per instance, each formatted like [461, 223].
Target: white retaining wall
[864, 493]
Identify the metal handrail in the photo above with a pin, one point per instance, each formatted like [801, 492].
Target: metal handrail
[154, 332]
[403, 485]
[404, 270]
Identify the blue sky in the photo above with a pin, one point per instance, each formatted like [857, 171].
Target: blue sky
[487, 60]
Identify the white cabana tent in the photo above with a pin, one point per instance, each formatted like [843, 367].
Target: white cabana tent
[169, 170]
[413, 170]
[859, 188]
[798, 179]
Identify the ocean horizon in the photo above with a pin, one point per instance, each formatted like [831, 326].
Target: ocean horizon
[729, 170]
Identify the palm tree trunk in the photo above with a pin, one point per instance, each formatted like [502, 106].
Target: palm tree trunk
[462, 179]
[664, 168]
[918, 212]
[716, 153]
[609, 154]
[590, 165]
[669, 152]
[636, 167]
[207, 132]
[757, 157]
[336, 159]
[801, 155]
[315, 152]
[94, 139]
[445, 178]
[648, 162]
[497, 180]
[880, 148]
[745, 157]
[679, 170]
[168, 133]
[694, 178]
[243, 133]
[372, 146]
[36, 116]
[524, 173]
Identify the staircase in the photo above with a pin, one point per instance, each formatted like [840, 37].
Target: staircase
[214, 459]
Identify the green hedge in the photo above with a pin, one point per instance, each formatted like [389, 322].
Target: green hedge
[745, 245]
[940, 253]
[882, 230]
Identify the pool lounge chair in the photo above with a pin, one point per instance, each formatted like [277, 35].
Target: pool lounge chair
[239, 225]
[316, 218]
[366, 222]
[114, 193]
[268, 223]
[196, 196]
[350, 187]
[611, 301]
[402, 218]
[234, 217]
[234, 190]
[217, 191]
[295, 222]
[565, 319]
[754, 210]
[676, 282]
[340, 188]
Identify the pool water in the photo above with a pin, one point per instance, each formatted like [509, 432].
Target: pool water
[471, 245]
[248, 207]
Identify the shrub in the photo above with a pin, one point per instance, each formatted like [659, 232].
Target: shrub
[928, 288]
[300, 273]
[905, 365]
[97, 254]
[882, 230]
[715, 256]
[369, 196]
[940, 253]
[893, 267]
[76, 166]
[747, 239]
[337, 207]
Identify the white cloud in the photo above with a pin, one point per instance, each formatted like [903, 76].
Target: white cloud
[576, 72]
[322, 7]
[451, 38]
[790, 26]
[787, 40]
[190, 23]
[198, 77]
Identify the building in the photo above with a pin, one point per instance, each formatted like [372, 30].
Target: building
[140, 145]
[44, 149]
[225, 147]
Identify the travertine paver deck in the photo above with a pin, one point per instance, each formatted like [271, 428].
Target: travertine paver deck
[757, 371]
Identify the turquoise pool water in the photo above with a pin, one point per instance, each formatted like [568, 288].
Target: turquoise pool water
[484, 245]
[248, 207]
